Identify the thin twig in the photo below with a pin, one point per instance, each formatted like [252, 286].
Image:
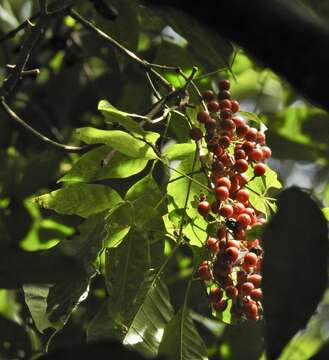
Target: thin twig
[22, 26]
[143, 63]
[20, 121]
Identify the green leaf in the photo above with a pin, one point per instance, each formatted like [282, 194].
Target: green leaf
[103, 163]
[141, 325]
[119, 140]
[179, 151]
[51, 304]
[251, 116]
[181, 340]
[255, 232]
[123, 118]
[80, 199]
[325, 212]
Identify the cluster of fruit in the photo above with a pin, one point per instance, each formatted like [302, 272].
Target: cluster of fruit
[232, 271]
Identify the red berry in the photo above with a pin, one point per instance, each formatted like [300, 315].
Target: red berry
[256, 154]
[239, 234]
[208, 95]
[215, 294]
[256, 294]
[250, 212]
[204, 208]
[256, 279]
[251, 134]
[224, 94]
[196, 133]
[226, 114]
[232, 254]
[225, 104]
[242, 195]
[241, 130]
[243, 179]
[238, 208]
[261, 137]
[239, 154]
[224, 270]
[213, 106]
[267, 152]
[224, 141]
[248, 147]
[224, 84]
[217, 166]
[235, 106]
[213, 244]
[221, 233]
[231, 292]
[220, 305]
[241, 165]
[203, 116]
[227, 160]
[259, 169]
[250, 259]
[246, 288]
[251, 310]
[204, 272]
[238, 121]
[226, 211]
[224, 181]
[233, 243]
[227, 125]
[210, 124]
[243, 220]
[222, 193]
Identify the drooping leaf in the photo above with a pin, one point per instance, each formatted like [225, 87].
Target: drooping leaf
[103, 163]
[140, 326]
[120, 141]
[51, 304]
[294, 267]
[179, 151]
[123, 118]
[181, 340]
[255, 232]
[80, 199]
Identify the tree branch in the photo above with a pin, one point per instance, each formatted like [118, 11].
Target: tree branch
[143, 63]
[20, 121]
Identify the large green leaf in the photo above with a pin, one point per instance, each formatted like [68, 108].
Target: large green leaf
[80, 199]
[51, 304]
[142, 323]
[181, 340]
[179, 151]
[104, 163]
[120, 141]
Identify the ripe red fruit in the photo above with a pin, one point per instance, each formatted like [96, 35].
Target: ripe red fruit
[226, 114]
[222, 193]
[231, 292]
[204, 208]
[250, 259]
[213, 244]
[224, 84]
[227, 125]
[235, 106]
[223, 181]
[239, 234]
[256, 294]
[210, 124]
[241, 130]
[213, 106]
[243, 220]
[208, 95]
[250, 211]
[243, 179]
[238, 208]
[261, 137]
[239, 154]
[221, 233]
[251, 310]
[203, 116]
[215, 294]
[256, 154]
[217, 166]
[251, 134]
[204, 272]
[238, 120]
[226, 211]
[246, 288]
[256, 279]
[242, 195]
[196, 133]
[225, 104]
[232, 254]
[267, 152]
[224, 141]
[224, 94]
[233, 243]
[227, 160]
[241, 165]
[248, 147]
[220, 305]
[259, 169]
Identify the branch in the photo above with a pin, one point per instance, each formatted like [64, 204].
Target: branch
[22, 26]
[278, 33]
[132, 56]
[20, 121]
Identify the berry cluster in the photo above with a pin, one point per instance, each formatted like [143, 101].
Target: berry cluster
[232, 271]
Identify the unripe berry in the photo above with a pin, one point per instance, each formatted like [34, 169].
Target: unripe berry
[196, 133]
